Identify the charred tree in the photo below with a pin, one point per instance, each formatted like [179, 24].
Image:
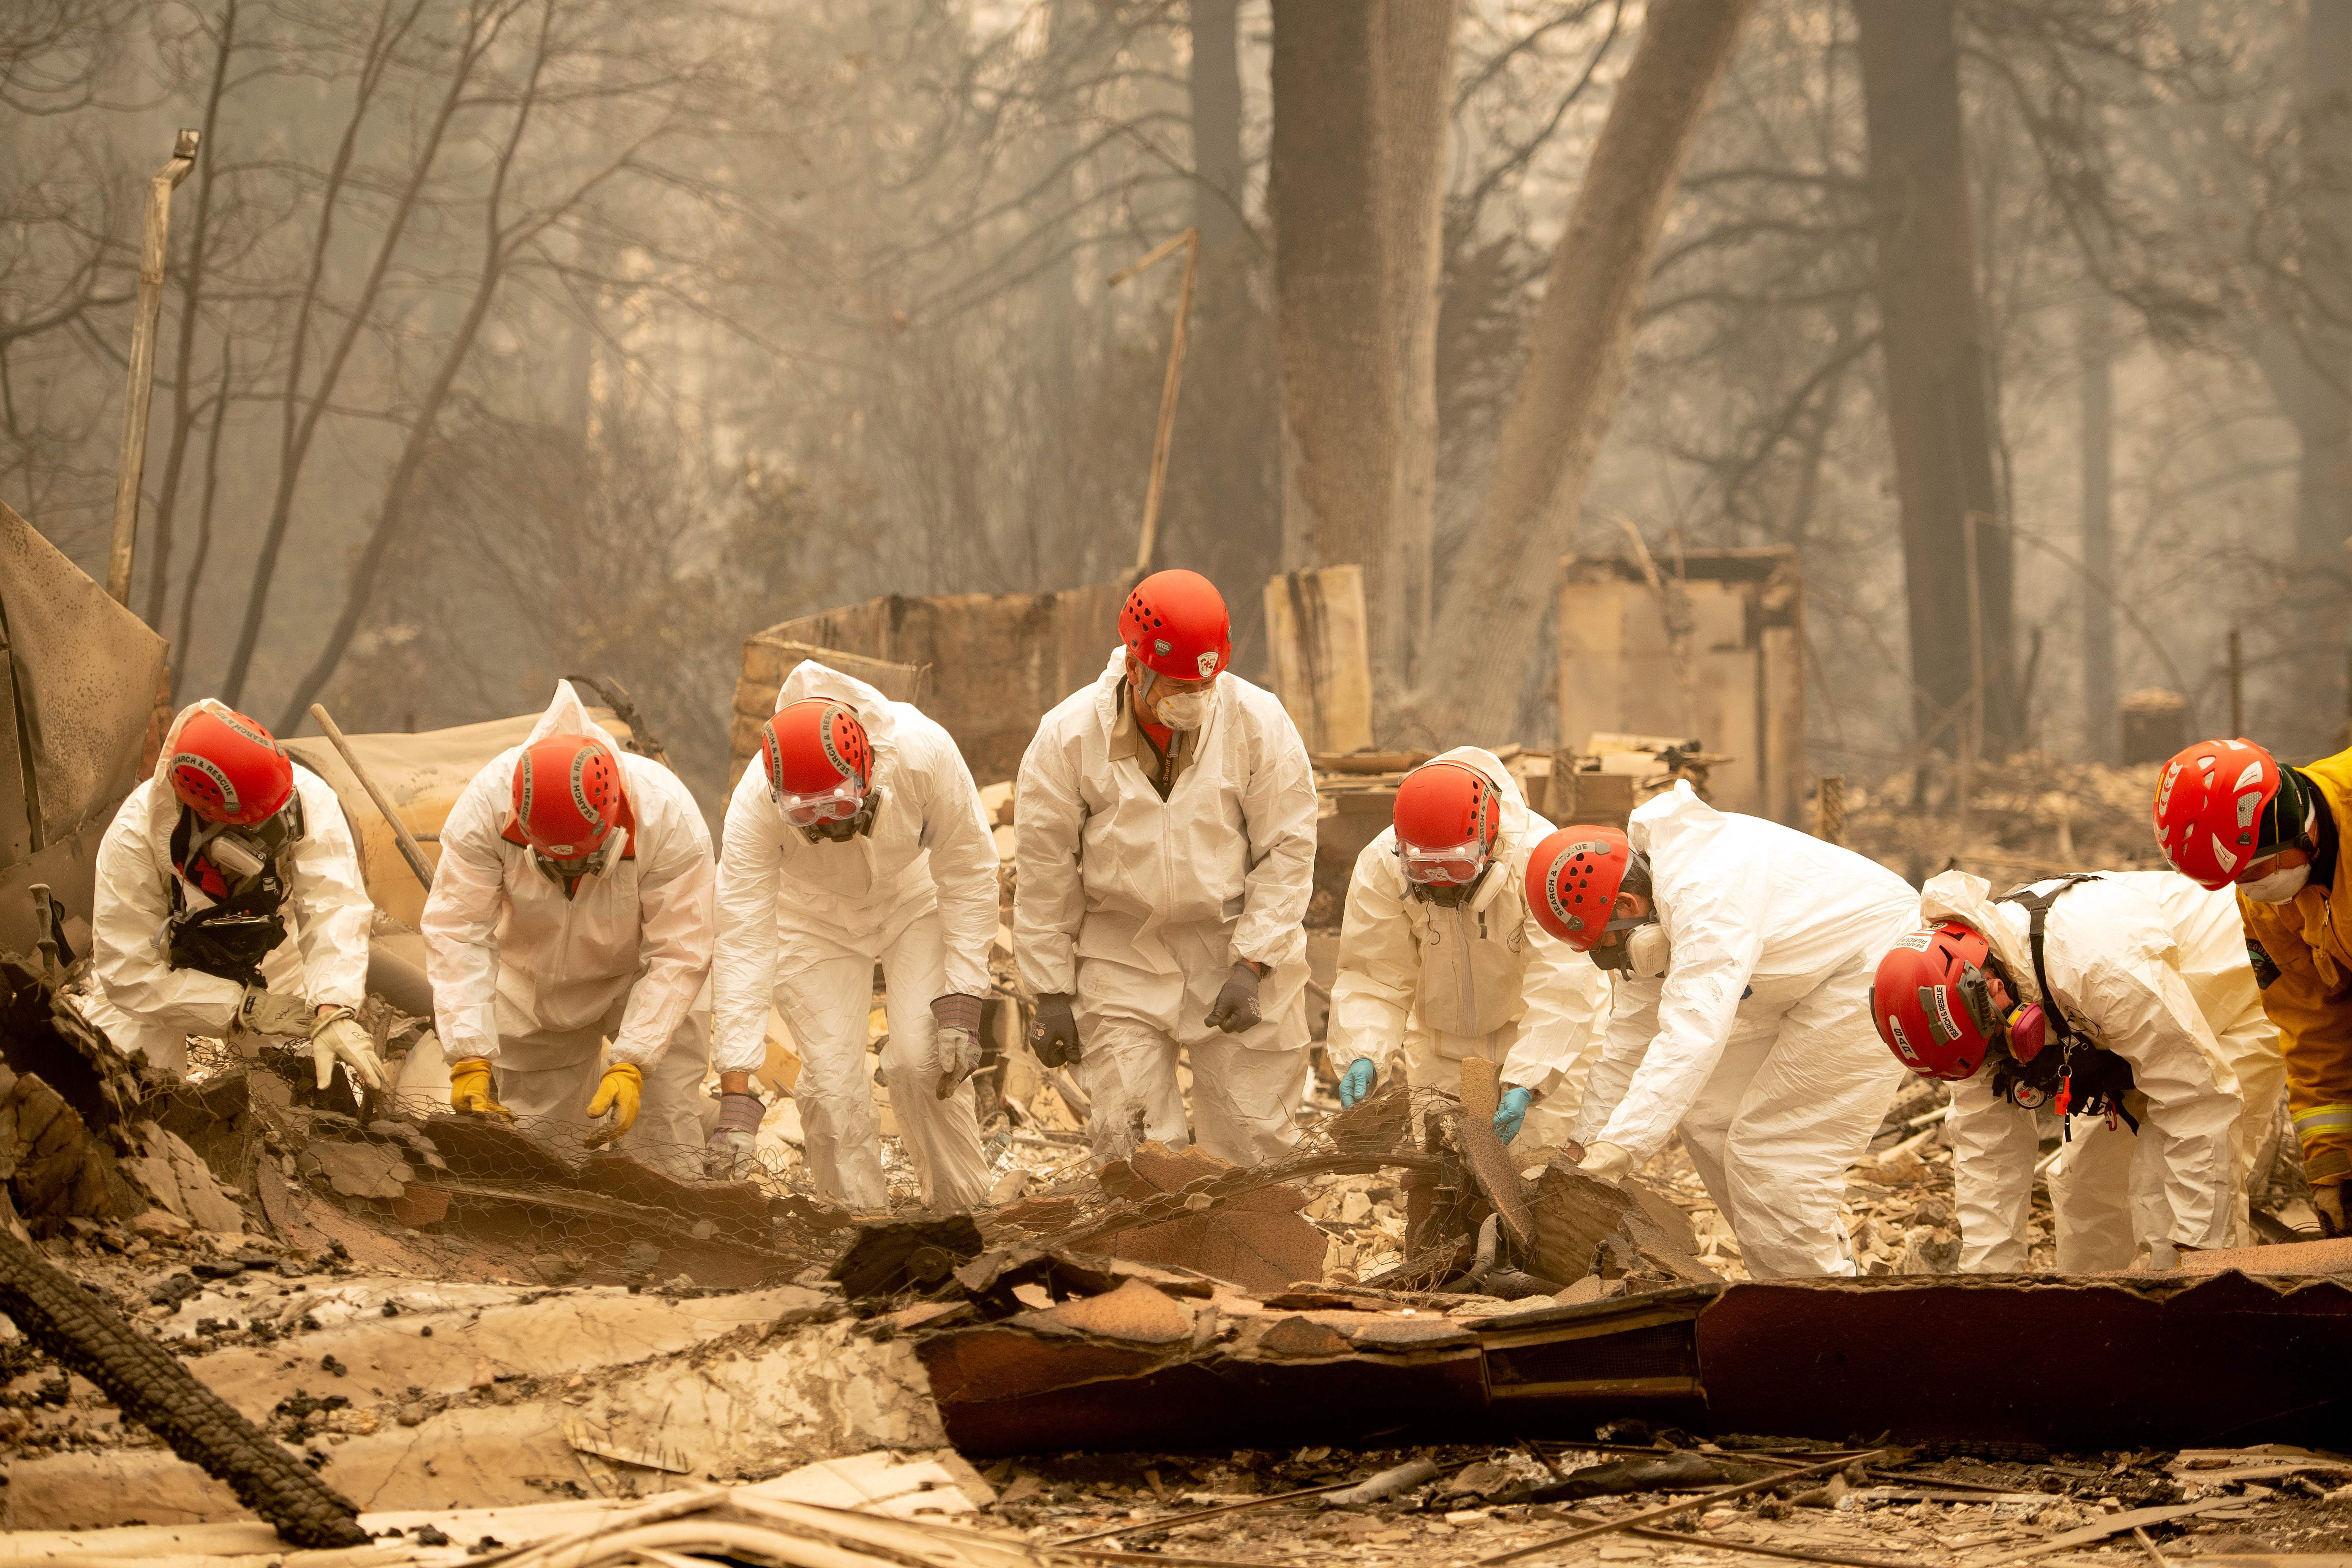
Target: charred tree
[1492, 614]
[1342, 375]
[2098, 529]
[1938, 403]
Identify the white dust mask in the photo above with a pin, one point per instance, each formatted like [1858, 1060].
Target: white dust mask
[2279, 885]
[1647, 949]
[1185, 710]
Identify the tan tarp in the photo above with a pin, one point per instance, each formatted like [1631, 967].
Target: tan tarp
[422, 774]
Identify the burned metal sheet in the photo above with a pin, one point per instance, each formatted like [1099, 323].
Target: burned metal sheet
[77, 681]
[2077, 1361]
[2099, 1363]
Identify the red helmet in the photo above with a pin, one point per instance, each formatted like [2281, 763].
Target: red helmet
[226, 768]
[1935, 1004]
[2218, 810]
[820, 762]
[567, 795]
[1175, 624]
[1447, 817]
[1572, 881]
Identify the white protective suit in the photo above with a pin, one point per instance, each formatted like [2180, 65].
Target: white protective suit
[2154, 968]
[1423, 986]
[536, 983]
[1758, 1043]
[1140, 908]
[804, 923]
[146, 1005]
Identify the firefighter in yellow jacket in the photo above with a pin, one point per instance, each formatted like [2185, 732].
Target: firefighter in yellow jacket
[2227, 812]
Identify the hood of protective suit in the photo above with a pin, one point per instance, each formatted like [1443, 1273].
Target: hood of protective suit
[162, 804]
[1967, 898]
[1114, 676]
[810, 679]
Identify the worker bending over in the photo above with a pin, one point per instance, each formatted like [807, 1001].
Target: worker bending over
[858, 836]
[2124, 1004]
[1743, 954]
[2230, 815]
[1440, 962]
[572, 906]
[1165, 824]
[229, 902]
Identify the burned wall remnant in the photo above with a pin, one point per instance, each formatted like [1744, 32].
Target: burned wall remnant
[1706, 644]
[998, 661]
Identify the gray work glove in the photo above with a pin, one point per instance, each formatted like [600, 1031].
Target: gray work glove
[2327, 1203]
[1054, 1032]
[958, 1059]
[280, 1012]
[1235, 1008]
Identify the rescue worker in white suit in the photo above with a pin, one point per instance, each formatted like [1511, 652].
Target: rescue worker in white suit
[860, 837]
[2149, 1040]
[229, 902]
[1439, 961]
[1165, 824]
[572, 905]
[1743, 953]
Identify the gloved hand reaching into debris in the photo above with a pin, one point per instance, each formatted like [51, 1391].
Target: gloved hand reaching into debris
[1357, 1081]
[1235, 1008]
[958, 1040]
[731, 1152]
[1607, 1162]
[469, 1089]
[339, 1038]
[1054, 1035]
[623, 1087]
[2328, 1202]
[263, 1012]
[1512, 1111]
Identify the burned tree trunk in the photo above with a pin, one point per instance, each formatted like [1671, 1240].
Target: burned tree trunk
[1416, 79]
[1341, 371]
[1491, 617]
[1938, 407]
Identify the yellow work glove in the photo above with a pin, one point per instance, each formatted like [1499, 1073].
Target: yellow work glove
[623, 1087]
[469, 1089]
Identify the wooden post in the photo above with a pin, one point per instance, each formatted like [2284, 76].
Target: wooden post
[1190, 240]
[409, 850]
[1829, 808]
[1316, 633]
[130, 466]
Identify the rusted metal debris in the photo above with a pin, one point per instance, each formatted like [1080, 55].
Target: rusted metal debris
[2242, 1359]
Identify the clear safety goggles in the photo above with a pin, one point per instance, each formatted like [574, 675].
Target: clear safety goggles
[838, 804]
[1452, 866]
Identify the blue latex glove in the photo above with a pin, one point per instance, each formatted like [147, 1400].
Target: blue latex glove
[1357, 1081]
[1511, 1112]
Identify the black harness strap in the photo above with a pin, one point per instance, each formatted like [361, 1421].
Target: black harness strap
[2104, 1078]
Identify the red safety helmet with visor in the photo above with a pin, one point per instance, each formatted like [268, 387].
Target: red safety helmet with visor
[819, 762]
[1447, 817]
[2223, 807]
[1572, 881]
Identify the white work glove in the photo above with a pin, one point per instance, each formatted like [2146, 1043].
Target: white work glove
[732, 1150]
[959, 1058]
[281, 1013]
[1609, 1161]
[339, 1038]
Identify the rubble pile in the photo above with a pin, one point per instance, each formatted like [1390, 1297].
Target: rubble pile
[2029, 815]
